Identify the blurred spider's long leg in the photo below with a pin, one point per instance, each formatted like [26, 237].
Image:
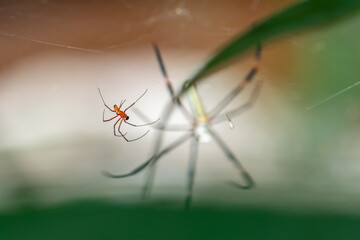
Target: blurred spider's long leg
[191, 171]
[158, 154]
[161, 126]
[133, 172]
[104, 101]
[249, 183]
[168, 83]
[243, 108]
[228, 98]
[169, 108]
[149, 181]
[152, 160]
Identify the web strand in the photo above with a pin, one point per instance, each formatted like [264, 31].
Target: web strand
[332, 96]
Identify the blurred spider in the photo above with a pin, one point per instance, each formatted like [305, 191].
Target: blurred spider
[200, 129]
[123, 117]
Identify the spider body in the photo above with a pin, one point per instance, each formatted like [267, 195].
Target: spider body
[123, 117]
[120, 113]
[201, 118]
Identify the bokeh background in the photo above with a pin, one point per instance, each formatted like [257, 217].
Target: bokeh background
[300, 141]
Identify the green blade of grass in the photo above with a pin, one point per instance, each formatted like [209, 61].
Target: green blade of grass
[301, 15]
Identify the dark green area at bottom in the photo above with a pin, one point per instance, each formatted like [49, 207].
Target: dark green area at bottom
[97, 220]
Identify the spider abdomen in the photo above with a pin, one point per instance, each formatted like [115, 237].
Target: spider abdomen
[122, 115]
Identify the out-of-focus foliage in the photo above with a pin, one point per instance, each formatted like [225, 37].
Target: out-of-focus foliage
[304, 14]
[91, 220]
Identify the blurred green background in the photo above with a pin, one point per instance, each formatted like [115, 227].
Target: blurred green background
[300, 146]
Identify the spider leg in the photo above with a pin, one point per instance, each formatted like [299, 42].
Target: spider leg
[104, 101]
[141, 125]
[149, 182]
[161, 126]
[152, 160]
[168, 83]
[191, 171]
[243, 108]
[122, 135]
[225, 101]
[169, 108]
[249, 183]
[131, 140]
[133, 172]
[121, 103]
[152, 167]
[135, 101]
[107, 120]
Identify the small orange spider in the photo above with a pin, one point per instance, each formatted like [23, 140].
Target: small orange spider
[123, 117]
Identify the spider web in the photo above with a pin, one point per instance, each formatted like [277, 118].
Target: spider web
[56, 53]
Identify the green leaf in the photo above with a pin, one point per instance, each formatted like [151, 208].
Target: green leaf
[302, 15]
